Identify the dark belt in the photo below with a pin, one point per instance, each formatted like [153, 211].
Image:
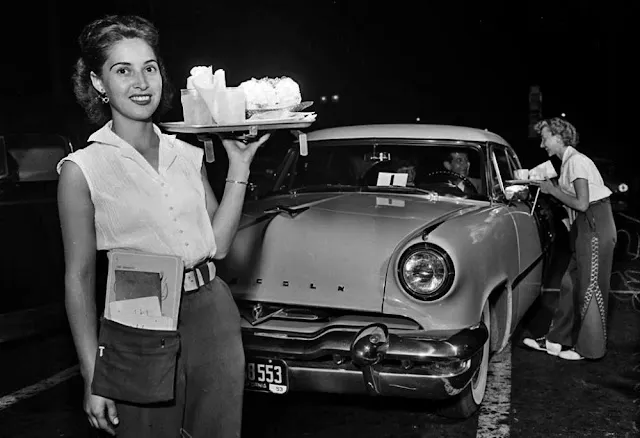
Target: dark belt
[196, 277]
[600, 201]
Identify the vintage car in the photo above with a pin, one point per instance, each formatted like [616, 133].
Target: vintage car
[369, 268]
[32, 266]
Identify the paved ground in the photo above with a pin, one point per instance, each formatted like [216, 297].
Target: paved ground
[530, 394]
[548, 397]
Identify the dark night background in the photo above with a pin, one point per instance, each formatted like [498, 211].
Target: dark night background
[440, 61]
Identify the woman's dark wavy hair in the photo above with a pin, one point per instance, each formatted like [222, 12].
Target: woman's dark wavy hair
[95, 41]
[559, 126]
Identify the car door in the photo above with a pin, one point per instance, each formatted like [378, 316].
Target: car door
[527, 285]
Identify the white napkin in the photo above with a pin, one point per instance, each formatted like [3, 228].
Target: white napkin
[199, 71]
[542, 171]
[223, 103]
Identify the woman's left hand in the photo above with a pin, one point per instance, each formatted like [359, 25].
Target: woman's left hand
[240, 152]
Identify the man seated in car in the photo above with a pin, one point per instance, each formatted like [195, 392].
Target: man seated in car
[457, 161]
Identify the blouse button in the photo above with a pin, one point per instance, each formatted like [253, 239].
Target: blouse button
[186, 244]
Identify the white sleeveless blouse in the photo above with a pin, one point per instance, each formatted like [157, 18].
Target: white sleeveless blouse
[139, 208]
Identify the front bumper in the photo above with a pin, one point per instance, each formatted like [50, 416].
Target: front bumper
[372, 360]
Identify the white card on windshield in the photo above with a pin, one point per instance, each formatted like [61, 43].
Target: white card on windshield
[392, 179]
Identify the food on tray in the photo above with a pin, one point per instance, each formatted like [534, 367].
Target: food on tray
[265, 99]
[271, 93]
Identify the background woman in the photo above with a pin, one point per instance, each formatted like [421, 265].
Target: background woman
[579, 326]
[134, 187]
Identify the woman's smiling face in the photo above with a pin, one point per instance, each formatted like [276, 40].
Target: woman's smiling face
[552, 143]
[131, 79]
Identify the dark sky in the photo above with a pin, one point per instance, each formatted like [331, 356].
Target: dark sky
[468, 62]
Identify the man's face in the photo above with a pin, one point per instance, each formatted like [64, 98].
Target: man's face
[458, 163]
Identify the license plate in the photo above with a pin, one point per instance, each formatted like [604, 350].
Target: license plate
[266, 375]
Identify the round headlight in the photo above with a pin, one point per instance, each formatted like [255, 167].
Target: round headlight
[426, 272]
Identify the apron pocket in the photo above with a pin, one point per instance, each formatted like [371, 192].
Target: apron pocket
[135, 365]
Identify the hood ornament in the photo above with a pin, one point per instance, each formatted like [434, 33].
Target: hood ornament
[260, 313]
[291, 211]
[256, 311]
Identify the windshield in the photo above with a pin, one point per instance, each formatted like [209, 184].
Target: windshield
[450, 169]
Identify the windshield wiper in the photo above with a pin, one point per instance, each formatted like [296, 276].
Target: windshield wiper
[319, 187]
[407, 189]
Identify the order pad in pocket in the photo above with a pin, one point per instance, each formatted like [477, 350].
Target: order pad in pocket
[144, 290]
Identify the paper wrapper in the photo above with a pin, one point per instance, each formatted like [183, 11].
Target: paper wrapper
[542, 171]
[227, 105]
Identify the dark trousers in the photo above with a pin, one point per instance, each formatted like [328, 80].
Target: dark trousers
[210, 374]
[580, 318]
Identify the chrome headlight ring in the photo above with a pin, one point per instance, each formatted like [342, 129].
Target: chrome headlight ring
[425, 271]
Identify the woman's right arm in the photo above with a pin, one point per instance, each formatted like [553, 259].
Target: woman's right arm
[79, 238]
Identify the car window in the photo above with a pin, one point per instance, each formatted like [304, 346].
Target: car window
[514, 162]
[507, 162]
[365, 164]
[504, 164]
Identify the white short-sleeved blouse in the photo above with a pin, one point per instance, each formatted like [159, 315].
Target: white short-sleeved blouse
[576, 165]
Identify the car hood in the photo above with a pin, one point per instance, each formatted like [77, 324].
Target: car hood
[325, 250]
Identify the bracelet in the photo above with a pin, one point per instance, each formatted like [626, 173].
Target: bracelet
[237, 182]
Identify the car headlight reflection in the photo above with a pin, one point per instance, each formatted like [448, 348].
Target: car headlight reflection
[425, 271]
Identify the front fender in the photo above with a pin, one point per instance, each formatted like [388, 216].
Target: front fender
[483, 248]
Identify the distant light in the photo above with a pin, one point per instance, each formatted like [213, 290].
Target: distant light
[335, 98]
[323, 98]
[417, 119]
[623, 188]
[563, 115]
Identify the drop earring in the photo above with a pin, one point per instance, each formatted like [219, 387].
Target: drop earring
[104, 98]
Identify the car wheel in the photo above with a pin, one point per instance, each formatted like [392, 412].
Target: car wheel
[465, 404]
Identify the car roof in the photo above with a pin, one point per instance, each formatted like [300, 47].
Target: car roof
[406, 131]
